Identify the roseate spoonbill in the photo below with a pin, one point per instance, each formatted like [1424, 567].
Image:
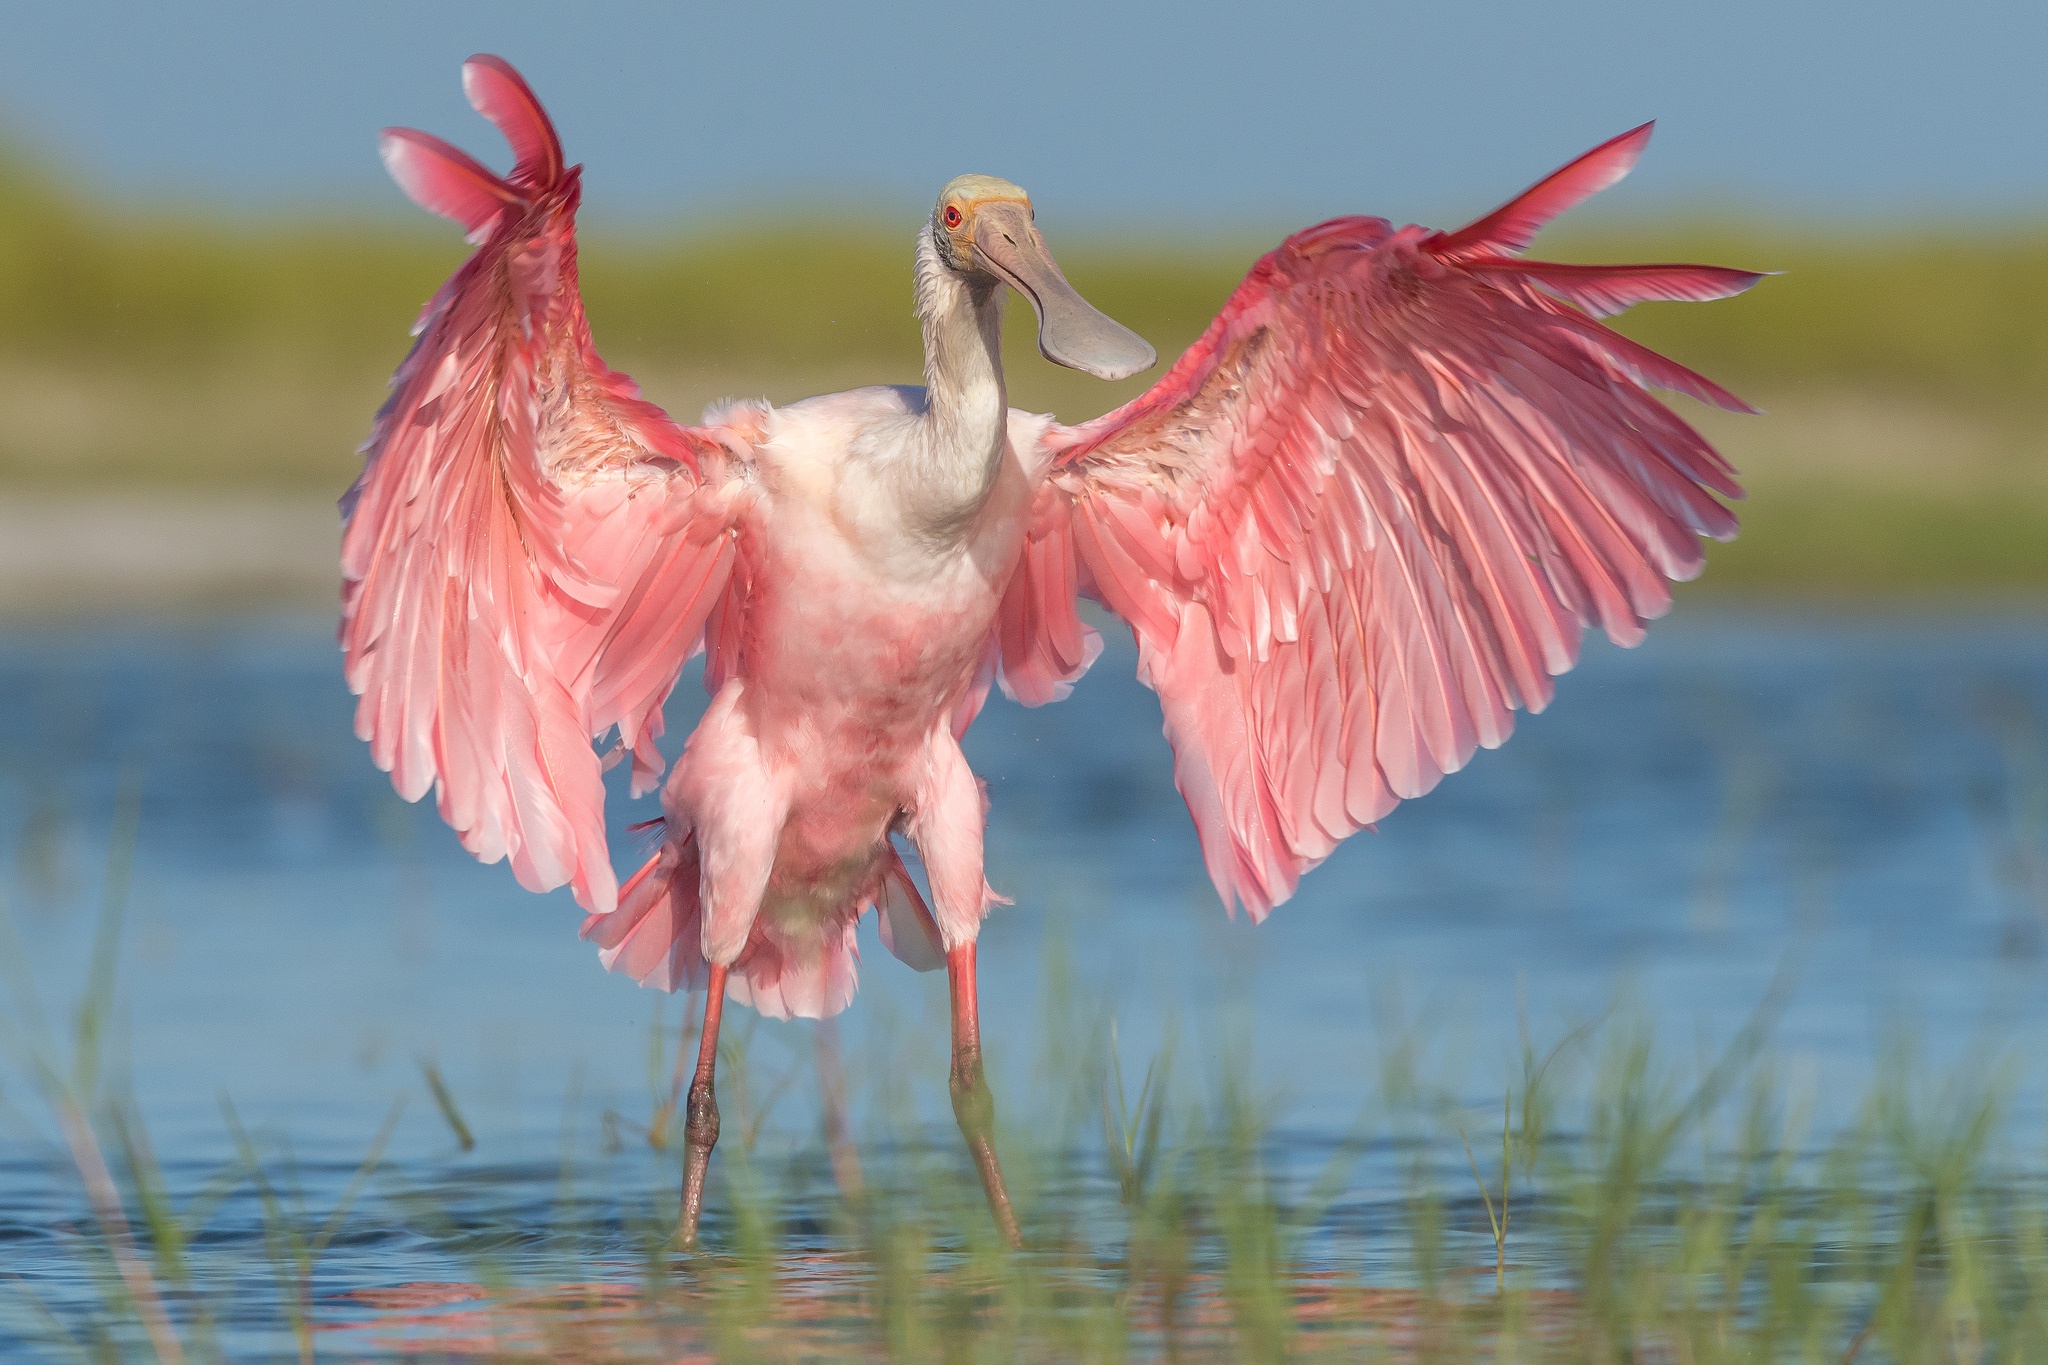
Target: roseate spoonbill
[1365, 517]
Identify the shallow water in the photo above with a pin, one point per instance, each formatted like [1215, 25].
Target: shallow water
[1857, 806]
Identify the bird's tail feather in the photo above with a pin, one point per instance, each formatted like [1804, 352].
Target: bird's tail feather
[656, 937]
[908, 929]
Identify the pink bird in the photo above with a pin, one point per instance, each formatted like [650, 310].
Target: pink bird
[1362, 520]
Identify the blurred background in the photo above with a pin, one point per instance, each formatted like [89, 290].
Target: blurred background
[1830, 759]
[205, 276]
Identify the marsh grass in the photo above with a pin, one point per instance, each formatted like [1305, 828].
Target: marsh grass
[1639, 1210]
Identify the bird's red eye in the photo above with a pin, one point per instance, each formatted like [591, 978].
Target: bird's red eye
[951, 216]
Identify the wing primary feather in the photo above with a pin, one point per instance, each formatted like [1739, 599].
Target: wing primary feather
[1604, 290]
[502, 95]
[1510, 228]
[446, 180]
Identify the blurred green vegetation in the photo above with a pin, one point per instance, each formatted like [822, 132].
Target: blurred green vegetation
[177, 350]
[1943, 315]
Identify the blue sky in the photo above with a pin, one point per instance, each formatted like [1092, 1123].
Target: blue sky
[1193, 115]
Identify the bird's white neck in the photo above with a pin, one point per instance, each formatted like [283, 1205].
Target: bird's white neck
[964, 430]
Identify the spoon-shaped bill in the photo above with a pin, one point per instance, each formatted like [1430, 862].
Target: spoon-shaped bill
[1071, 331]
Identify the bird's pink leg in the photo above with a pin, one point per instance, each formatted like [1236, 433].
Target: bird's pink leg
[973, 1106]
[947, 828]
[700, 1116]
[832, 1100]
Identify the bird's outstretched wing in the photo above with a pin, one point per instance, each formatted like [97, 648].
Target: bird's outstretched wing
[532, 549]
[1370, 513]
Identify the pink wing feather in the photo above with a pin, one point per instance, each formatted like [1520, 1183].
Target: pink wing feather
[1509, 229]
[531, 551]
[1369, 514]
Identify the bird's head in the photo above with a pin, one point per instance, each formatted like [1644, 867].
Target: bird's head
[983, 228]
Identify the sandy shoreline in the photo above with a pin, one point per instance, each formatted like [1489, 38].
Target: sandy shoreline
[119, 553]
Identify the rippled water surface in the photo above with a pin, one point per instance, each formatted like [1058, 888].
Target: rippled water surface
[1859, 805]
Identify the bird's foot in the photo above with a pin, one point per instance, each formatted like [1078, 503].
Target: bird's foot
[974, 1108]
